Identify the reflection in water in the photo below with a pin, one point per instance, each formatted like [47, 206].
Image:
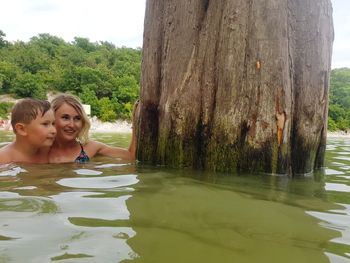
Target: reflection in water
[102, 182]
[256, 219]
[21, 204]
[10, 170]
[87, 172]
[338, 191]
[108, 211]
[40, 213]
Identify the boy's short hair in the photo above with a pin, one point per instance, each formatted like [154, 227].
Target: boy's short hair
[26, 110]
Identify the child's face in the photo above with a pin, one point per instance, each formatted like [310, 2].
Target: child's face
[68, 123]
[41, 132]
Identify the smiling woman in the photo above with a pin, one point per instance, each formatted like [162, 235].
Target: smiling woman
[72, 143]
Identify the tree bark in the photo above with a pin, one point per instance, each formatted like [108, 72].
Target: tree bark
[235, 85]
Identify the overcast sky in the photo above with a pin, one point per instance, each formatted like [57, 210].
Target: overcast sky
[341, 45]
[118, 21]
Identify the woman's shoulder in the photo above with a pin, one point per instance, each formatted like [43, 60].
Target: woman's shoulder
[92, 143]
[93, 147]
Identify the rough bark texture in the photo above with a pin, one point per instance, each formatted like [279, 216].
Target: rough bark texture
[236, 85]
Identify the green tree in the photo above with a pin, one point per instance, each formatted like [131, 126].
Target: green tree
[332, 126]
[107, 112]
[27, 85]
[102, 75]
[339, 102]
[48, 44]
[29, 58]
[128, 89]
[3, 42]
[85, 44]
[8, 73]
[5, 108]
[88, 96]
[127, 62]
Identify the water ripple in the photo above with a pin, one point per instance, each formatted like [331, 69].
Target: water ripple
[337, 220]
[100, 182]
[13, 171]
[345, 158]
[333, 172]
[109, 165]
[87, 172]
[86, 205]
[26, 188]
[27, 204]
[337, 187]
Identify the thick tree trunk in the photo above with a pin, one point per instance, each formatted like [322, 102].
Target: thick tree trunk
[236, 85]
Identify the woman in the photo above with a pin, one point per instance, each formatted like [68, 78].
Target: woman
[72, 143]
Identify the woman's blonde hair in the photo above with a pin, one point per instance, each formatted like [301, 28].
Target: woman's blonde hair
[75, 102]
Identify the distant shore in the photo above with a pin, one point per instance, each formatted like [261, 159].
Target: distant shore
[338, 134]
[118, 126]
[125, 127]
[122, 126]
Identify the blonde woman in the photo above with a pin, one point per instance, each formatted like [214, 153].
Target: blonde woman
[72, 142]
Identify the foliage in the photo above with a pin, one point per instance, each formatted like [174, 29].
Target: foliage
[29, 85]
[5, 109]
[102, 75]
[107, 109]
[3, 42]
[339, 100]
[8, 75]
[106, 77]
[88, 96]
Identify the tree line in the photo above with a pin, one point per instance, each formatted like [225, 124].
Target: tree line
[100, 74]
[104, 76]
[339, 100]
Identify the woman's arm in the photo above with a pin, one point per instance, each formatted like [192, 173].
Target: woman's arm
[106, 150]
[128, 154]
[135, 120]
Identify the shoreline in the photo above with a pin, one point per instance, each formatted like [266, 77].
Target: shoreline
[97, 126]
[123, 126]
[119, 126]
[338, 134]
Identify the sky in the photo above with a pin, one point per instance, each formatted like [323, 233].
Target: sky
[118, 21]
[341, 45]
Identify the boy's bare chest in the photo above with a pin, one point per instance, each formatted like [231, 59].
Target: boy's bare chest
[20, 157]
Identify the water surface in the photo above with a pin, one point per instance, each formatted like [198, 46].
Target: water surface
[112, 211]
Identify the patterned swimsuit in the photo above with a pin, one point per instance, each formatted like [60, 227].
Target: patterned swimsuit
[83, 157]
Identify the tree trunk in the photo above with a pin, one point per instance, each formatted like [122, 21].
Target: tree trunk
[236, 85]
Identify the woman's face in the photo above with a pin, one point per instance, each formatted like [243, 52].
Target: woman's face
[68, 123]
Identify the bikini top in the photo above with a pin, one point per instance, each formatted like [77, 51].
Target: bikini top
[83, 157]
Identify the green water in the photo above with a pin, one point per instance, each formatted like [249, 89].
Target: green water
[110, 211]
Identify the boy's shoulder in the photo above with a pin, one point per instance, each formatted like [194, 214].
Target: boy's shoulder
[6, 154]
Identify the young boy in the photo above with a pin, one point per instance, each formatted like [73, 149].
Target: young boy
[33, 123]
